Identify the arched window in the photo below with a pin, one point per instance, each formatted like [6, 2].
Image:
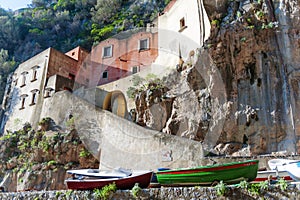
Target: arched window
[48, 92]
[34, 73]
[23, 98]
[34, 92]
[23, 83]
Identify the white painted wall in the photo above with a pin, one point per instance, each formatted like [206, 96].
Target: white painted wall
[192, 37]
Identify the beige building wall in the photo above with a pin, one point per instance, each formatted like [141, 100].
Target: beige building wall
[27, 91]
[33, 81]
[123, 85]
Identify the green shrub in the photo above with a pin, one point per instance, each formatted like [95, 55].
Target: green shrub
[151, 81]
[84, 153]
[135, 190]
[244, 184]
[51, 162]
[282, 184]
[221, 188]
[70, 123]
[105, 191]
[264, 185]
[215, 22]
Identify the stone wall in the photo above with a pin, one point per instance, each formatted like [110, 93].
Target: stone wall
[181, 193]
[133, 146]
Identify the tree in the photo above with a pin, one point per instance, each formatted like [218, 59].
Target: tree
[6, 67]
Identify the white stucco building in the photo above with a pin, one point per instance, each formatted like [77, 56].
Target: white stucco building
[182, 27]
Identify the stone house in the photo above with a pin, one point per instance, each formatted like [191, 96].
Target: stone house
[120, 56]
[37, 79]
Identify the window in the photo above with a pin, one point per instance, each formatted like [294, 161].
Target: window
[182, 24]
[23, 97]
[48, 92]
[15, 79]
[34, 97]
[23, 79]
[107, 51]
[16, 82]
[105, 74]
[144, 44]
[34, 73]
[71, 76]
[135, 69]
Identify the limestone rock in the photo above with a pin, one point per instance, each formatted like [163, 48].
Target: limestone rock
[40, 159]
[243, 86]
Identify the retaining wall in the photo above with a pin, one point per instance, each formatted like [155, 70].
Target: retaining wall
[181, 193]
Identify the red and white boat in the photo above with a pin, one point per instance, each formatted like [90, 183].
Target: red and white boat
[292, 167]
[142, 177]
[97, 173]
[272, 175]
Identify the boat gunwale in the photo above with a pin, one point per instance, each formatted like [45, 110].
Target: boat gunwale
[219, 167]
[94, 179]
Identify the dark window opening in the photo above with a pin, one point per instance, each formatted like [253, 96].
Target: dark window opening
[16, 82]
[144, 44]
[107, 52]
[34, 75]
[105, 74]
[182, 24]
[23, 97]
[22, 104]
[71, 76]
[73, 53]
[33, 97]
[134, 69]
[33, 100]
[48, 92]
[23, 83]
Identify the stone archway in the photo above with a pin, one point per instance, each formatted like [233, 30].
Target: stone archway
[107, 102]
[118, 104]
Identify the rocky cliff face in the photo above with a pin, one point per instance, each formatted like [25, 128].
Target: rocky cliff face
[242, 88]
[38, 160]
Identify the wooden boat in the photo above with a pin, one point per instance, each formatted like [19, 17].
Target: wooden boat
[294, 170]
[89, 183]
[96, 173]
[279, 164]
[272, 175]
[292, 167]
[232, 172]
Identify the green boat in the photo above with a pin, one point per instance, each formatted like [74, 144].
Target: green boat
[231, 173]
